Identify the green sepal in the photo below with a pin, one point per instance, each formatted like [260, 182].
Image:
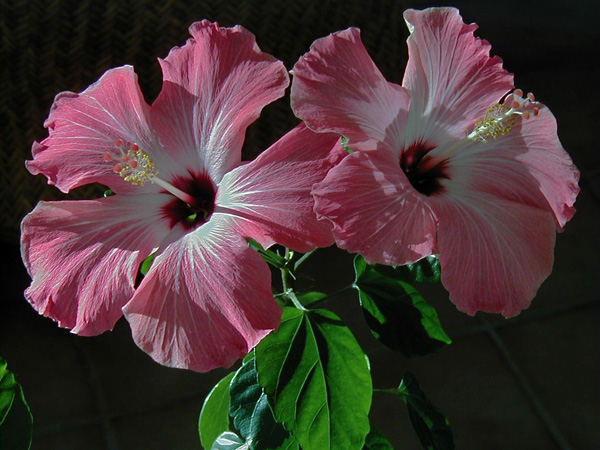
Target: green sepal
[344, 144]
[16, 421]
[214, 416]
[317, 379]
[147, 263]
[270, 257]
[431, 426]
[396, 313]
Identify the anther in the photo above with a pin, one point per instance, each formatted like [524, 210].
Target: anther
[531, 97]
[132, 164]
[518, 92]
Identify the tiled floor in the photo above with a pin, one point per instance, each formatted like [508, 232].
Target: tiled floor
[529, 383]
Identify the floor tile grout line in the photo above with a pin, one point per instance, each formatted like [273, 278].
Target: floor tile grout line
[530, 393]
[473, 331]
[64, 427]
[148, 409]
[103, 416]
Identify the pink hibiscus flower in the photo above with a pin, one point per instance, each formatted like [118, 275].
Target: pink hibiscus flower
[183, 194]
[442, 165]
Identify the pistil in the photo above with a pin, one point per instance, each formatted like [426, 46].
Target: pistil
[135, 166]
[500, 118]
[497, 121]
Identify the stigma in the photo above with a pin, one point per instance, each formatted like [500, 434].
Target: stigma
[500, 118]
[132, 163]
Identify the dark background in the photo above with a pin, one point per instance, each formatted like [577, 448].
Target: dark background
[526, 383]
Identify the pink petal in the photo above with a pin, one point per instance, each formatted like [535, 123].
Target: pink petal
[205, 302]
[375, 210]
[271, 196]
[83, 127]
[450, 75]
[494, 253]
[83, 256]
[214, 87]
[527, 165]
[337, 87]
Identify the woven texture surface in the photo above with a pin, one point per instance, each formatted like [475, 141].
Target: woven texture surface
[49, 46]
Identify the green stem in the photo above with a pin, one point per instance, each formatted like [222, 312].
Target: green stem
[391, 391]
[292, 296]
[286, 281]
[303, 258]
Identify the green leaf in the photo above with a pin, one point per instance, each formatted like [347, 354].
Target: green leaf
[16, 422]
[251, 412]
[8, 389]
[426, 270]
[432, 427]
[317, 378]
[376, 441]
[214, 417]
[397, 315]
[229, 441]
[309, 298]
[289, 444]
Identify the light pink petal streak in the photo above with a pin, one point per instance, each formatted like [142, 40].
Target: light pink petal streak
[451, 77]
[527, 165]
[205, 302]
[83, 257]
[83, 127]
[375, 210]
[271, 196]
[494, 253]
[214, 87]
[337, 87]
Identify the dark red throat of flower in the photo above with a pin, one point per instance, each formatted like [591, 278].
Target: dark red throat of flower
[192, 215]
[424, 177]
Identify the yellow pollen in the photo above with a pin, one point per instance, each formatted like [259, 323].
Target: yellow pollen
[132, 164]
[501, 118]
[497, 121]
[137, 167]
